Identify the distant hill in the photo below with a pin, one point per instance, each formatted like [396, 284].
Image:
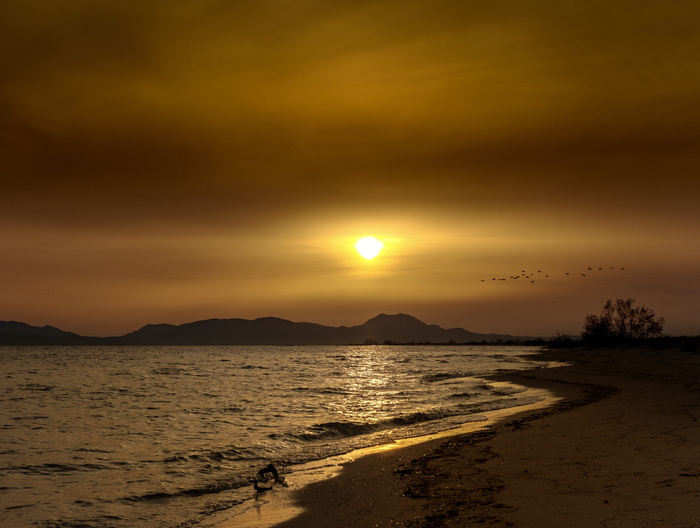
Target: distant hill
[15, 333]
[399, 328]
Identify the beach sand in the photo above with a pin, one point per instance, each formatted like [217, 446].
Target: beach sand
[620, 448]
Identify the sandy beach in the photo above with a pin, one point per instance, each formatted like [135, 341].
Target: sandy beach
[619, 448]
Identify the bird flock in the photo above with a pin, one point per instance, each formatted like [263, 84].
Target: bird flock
[539, 275]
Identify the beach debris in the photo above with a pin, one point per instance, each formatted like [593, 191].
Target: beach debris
[268, 476]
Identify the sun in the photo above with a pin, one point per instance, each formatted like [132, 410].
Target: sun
[368, 247]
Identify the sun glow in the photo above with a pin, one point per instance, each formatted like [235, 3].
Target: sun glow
[368, 247]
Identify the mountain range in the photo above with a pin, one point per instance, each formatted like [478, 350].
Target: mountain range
[397, 328]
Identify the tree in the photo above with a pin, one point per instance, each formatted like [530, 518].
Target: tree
[620, 320]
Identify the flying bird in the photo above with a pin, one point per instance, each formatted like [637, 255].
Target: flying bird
[529, 275]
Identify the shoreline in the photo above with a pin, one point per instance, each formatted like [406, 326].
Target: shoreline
[281, 505]
[392, 488]
[618, 448]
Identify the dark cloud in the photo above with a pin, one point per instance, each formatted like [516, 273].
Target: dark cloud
[259, 119]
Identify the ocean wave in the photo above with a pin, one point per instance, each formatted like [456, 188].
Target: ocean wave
[168, 371]
[49, 469]
[494, 405]
[508, 391]
[231, 454]
[462, 395]
[346, 429]
[321, 390]
[208, 489]
[340, 429]
[37, 387]
[105, 521]
[442, 376]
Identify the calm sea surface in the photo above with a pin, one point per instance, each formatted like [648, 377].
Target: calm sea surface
[157, 437]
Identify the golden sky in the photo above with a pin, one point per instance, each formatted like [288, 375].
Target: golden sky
[170, 161]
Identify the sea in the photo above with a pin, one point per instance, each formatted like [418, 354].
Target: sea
[162, 437]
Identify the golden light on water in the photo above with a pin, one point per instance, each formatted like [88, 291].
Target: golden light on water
[368, 374]
[368, 247]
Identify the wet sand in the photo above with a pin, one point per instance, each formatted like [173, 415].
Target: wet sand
[620, 448]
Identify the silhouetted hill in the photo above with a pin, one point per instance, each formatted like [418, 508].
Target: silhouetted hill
[263, 331]
[16, 333]
[402, 328]
[149, 329]
[399, 328]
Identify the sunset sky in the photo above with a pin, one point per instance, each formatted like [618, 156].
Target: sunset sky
[171, 161]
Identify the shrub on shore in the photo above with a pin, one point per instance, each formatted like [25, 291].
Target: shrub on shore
[620, 321]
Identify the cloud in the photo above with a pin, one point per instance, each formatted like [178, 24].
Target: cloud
[504, 125]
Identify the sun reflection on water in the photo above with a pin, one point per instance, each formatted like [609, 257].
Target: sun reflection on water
[370, 381]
